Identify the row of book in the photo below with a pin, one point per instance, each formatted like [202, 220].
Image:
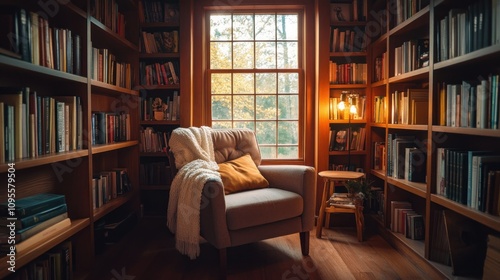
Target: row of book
[28, 36]
[347, 39]
[462, 31]
[158, 11]
[160, 42]
[31, 220]
[109, 184]
[32, 125]
[154, 173]
[352, 138]
[165, 73]
[348, 73]
[379, 156]
[108, 13]
[153, 141]
[105, 68]
[379, 109]
[158, 108]
[335, 113]
[405, 9]
[407, 221]
[470, 104]
[409, 107]
[110, 128]
[411, 55]
[469, 177]
[405, 158]
[380, 68]
[54, 264]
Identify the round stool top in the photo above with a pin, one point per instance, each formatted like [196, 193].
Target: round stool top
[341, 175]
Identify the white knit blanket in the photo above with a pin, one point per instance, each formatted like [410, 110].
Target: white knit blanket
[194, 158]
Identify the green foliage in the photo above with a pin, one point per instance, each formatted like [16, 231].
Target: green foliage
[360, 188]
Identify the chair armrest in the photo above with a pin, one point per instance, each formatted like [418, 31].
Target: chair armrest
[299, 179]
[213, 226]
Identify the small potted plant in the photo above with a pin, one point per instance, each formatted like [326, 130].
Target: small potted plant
[359, 189]
[159, 108]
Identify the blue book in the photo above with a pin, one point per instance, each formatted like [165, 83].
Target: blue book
[34, 204]
[36, 218]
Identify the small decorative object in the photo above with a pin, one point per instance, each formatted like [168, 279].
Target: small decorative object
[360, 189]
[159, 109]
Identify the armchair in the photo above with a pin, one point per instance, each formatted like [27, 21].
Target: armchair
[285, 207]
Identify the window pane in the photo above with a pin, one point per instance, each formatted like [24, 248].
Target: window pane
[243, 107]
[288, 152]
[287, 27]
[287, 133]
[220, 55]
[242, 27]
[243, 83]
[266, 132]
[265, 27]
[268, 152]
[265, 83]
[221, 107]
[287, 55]
[288, 107]
[244, 124]
[220, 27]
[265, 55]
[266, 107]
[216, 124]
[221, 84]
[288, 83]
[243, 55]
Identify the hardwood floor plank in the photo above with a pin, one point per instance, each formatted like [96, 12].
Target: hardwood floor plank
[148, 252]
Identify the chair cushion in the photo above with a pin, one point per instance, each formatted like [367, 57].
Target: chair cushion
[261, 206]
[241, 174]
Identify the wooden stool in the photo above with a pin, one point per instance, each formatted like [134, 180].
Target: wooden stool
[329, 179]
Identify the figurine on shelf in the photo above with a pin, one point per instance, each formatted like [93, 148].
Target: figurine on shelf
[159, 108]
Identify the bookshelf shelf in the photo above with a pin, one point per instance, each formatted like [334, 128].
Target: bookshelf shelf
[379, 173]
[416, 246]
[484, 54]
[379, 83]
[98, 86]
[378, 125]
[102, 32]
[419, 189]
[45, 159]
[418, 20]
[467, 131]
[483, 218]
[422, 127]
[347, 86]
[112, 205]
[21, 67]
[419, 74]
[96, 149]
[29, 254]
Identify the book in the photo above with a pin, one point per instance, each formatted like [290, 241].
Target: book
[43, 235]
[395, 205]
[14, 97]
[28, 232]
[31, 205]
[35, 218]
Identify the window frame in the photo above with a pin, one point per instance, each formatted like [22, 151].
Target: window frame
[301, 62]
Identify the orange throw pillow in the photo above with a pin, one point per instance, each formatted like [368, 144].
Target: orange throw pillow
[241, 174]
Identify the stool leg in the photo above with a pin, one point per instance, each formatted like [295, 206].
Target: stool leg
[321, 217]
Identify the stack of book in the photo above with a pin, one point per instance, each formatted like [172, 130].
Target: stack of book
[31, 218]
[406, 221]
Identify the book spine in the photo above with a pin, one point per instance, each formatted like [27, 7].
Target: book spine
[37, 218]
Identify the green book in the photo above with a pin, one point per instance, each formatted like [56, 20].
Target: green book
[32, 205]
[36, 218]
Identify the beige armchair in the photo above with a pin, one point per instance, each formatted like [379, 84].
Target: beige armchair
[285, 207]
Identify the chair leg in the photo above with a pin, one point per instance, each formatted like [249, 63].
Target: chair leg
[304, 243]
[223, 262]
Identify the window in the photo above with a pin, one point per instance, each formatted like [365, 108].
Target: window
[255, 77]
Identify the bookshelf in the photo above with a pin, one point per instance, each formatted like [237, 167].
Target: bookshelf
[405, 55]
[160, 93]
[70, 171]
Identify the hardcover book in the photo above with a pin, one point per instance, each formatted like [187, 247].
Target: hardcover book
[36, 218]
[33, 204]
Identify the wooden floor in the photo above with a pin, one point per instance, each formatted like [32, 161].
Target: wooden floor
[148, 252]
